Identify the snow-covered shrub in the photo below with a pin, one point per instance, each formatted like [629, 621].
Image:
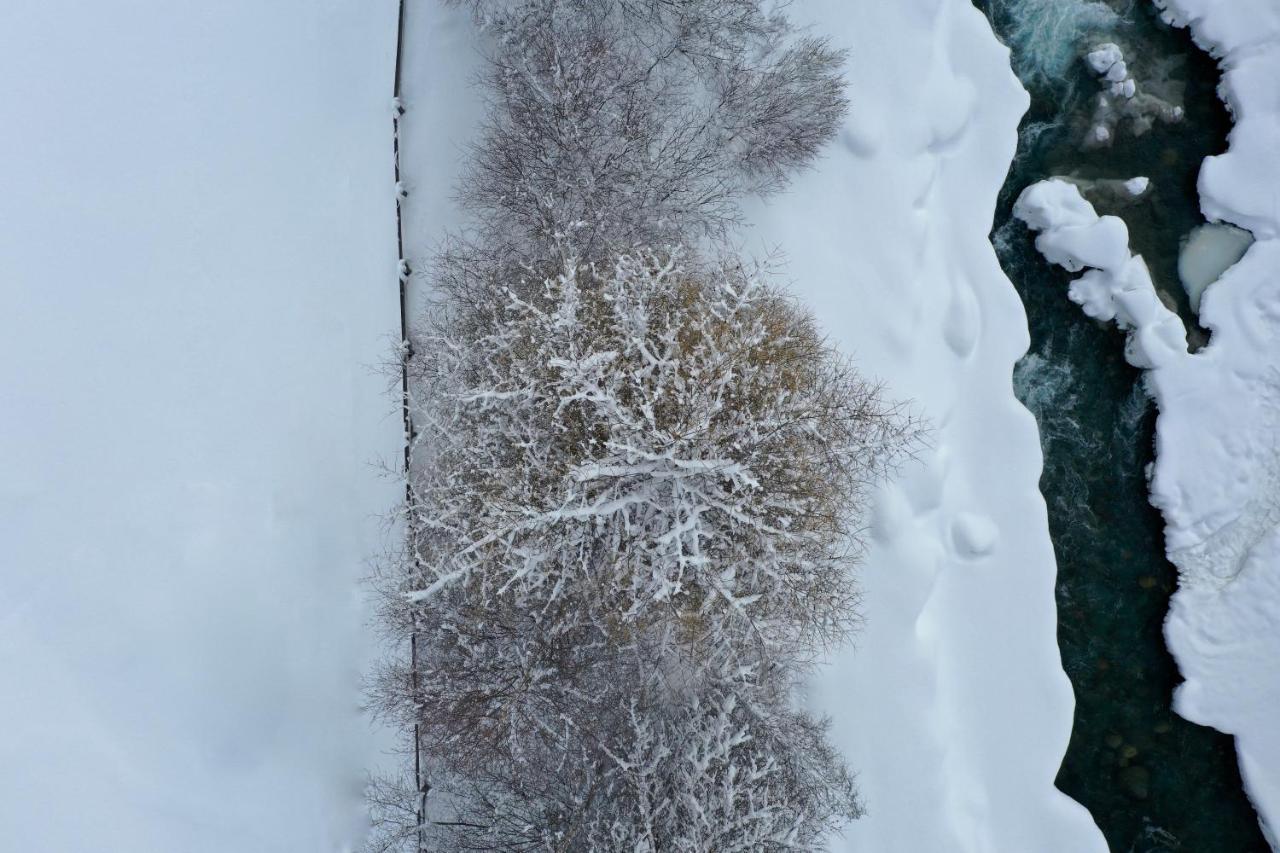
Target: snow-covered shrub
[637, 477]
[629, 122]
[652, 438]
[707, 773]
[637, 490]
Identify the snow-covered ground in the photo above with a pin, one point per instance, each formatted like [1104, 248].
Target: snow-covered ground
[1217, 473]
[954, 707]
[443, 112]
[197, 263]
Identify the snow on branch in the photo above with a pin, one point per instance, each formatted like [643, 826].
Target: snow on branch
[637, 473]
[637, 485]
[628, 122]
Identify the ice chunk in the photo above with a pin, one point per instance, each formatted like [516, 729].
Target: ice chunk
[1207, 253]
[1124, 89]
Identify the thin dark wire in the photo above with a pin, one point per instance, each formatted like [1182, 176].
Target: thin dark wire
[402, 272]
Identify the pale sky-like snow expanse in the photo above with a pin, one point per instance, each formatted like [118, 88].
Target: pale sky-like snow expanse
[198, 269]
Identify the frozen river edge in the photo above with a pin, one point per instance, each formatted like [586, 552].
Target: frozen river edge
[1217, 472]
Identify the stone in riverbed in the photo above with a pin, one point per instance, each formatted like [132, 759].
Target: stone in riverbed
[1110, 194]
[1136, 782]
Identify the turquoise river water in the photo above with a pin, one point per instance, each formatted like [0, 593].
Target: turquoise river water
[1152, 781]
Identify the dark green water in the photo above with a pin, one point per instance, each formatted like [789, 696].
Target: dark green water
[1152, 781]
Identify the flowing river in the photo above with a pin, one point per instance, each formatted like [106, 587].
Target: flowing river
[1152, 781]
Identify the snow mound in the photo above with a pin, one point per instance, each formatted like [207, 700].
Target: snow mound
[974, 535]
[1118, 285]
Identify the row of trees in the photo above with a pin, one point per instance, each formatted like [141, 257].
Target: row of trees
[638, 471]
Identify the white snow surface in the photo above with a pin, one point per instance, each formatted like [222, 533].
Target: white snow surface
[1216, 477]
[1218, 472]
[198, 267]
[953, 708]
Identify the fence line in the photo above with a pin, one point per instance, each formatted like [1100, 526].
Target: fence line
[403, 271]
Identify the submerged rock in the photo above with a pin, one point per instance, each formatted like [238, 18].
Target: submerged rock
[1122, 99]
[1136, 781]
[1111, 193]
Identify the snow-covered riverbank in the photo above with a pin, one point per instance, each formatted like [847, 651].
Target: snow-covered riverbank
[953, 707]
[1217, 473]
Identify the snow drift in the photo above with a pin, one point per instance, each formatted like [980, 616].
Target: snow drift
[954, 707]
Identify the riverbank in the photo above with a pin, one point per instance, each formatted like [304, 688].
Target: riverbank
[953, 707]
[1115, 580]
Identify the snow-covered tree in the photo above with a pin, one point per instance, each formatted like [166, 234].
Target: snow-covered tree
[638, 474]
[616, 123]
[652, 436]
[707, 772]
[637, 488]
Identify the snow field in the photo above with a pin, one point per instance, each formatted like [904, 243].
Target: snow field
[197, 258]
